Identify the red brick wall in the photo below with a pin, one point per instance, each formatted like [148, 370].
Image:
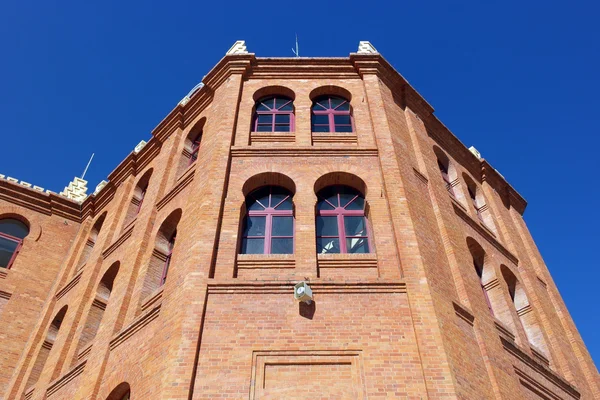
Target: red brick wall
[409, 320]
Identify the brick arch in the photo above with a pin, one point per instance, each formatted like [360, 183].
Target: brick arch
[331, 90]
[481, 258]
[268, 179]
[445, 160]
[341, 178]
[274, 90]
[35, 229]
[118, 392]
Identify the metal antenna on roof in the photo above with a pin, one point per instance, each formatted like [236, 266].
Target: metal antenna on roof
[87, 166]
[296, 51]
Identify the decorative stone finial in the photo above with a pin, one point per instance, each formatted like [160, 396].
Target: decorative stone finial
[139, 146]
[100, 186]
[365, 47]
[188, 96]
[77, 190]
[475, 152]
[238, 47]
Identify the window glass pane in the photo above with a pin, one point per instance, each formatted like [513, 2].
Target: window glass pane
[253, 246]
[282, 128]
[321, 104]
[343, 128]
[357, 245]
[264, 128]
[336, 102]
[283, 226]
[282, 118]
[357, 204]
[13, 227]
[320, 119]
[255, 226]
[7, 248]
[282, 246]
[320, 128]
[281, 101]
[262, 107]
[261, 195]
[342, 119]
[355, 226]
[265, 118]
[277, 194]
[327, 226]
[330, 194]
[328, 245]
[346, 195]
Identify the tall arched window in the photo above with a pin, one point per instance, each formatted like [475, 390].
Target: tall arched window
[171, 245]
[121, 392]
[96, 312]
[274, 114]
[12, 233]
[269, 223]
[162, 254]
[195, 148]
[341, 222]
[521, 304]
[91, 242]
[331, 114]
[445, 176]
[44, 352]
[137, 200]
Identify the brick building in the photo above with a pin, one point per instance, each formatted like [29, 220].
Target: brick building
[175, 279]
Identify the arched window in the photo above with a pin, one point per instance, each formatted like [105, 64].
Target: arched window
[274, 114]
[521, 304]
[162, 254]
[44, 352]
[445, 176]
[269, 224]
[91, 242]
[331, 114]
[195, 147]
[341, 222]
[137, 200]
[121, 392]
[96, 312]
[12, 233]
[163, 279]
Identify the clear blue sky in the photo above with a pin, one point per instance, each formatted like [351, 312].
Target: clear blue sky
[516, 79]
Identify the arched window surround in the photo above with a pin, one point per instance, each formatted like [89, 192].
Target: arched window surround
[341, 222]
[12, 233]
[268, 226]
[275, 113]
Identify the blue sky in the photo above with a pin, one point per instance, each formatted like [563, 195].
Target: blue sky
[518, 80]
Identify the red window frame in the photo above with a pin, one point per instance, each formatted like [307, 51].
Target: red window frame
[15, 251]
[269, 211]
[165, 272]
[322, 106]
[273, 111]
[195, 149]
[340, 212]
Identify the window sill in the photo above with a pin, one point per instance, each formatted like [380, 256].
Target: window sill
[266, 261]
[347, 260]
[270, 137]
[154, 299]
[504, 330]
[3, 273]
[334, 137]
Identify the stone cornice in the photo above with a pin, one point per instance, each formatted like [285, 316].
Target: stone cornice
[46, 203]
